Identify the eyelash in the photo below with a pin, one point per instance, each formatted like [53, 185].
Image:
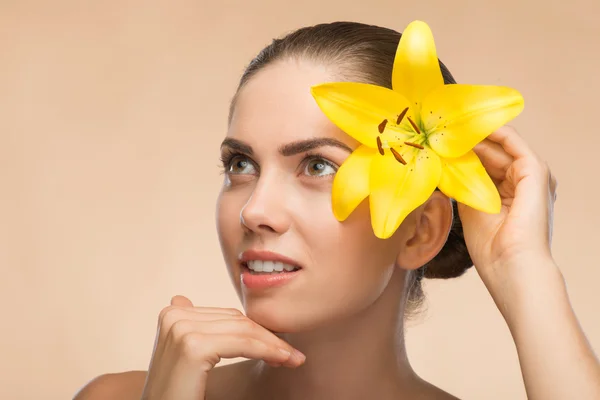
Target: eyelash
[318, 156]
[226, 159]
[229, 156]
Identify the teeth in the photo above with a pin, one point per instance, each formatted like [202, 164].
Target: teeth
[269, 266]
[256, 265]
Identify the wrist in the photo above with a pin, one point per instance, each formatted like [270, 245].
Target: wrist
[526, 285]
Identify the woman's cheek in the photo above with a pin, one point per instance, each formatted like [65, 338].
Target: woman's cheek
[229, 227]
[316, 195]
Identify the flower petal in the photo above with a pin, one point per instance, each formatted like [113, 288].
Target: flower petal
[457, 117]
[416, 66]
[351, 182]
[466, 180]
[397, 190]
[359, 108]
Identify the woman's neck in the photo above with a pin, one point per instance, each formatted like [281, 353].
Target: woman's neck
[360, 357]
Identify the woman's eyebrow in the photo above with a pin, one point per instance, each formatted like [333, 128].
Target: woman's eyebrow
[237, 145]
[289, 149]
[302, 146]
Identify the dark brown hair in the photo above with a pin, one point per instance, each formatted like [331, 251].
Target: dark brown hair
[364, 53]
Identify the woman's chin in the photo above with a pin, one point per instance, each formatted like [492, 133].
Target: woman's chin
[280, 318]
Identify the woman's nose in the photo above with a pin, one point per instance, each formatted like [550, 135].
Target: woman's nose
[266, 211]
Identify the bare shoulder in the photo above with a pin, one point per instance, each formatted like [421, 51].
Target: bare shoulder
[118, 386]
[129, 385]
[438, 394]
[227, 382]
[431, 392]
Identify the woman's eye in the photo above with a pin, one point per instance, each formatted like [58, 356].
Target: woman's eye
[241, 165]
[319, 167]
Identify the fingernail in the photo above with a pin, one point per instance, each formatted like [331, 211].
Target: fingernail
[299, 356]
[284, 351]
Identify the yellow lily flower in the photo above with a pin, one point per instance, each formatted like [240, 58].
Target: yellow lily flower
[415, 137]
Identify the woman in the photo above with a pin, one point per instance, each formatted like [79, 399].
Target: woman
[325, 302]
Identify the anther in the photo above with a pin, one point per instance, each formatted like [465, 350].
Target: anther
[401, 116]
[382, 125]
[379, 146]
[418, 146]
[415, 127]
[398, 157]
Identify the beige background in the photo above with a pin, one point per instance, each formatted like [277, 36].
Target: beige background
[111, 113]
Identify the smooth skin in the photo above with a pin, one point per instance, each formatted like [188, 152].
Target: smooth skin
[336, 331]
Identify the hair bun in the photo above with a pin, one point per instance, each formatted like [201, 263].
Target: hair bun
[454, 259]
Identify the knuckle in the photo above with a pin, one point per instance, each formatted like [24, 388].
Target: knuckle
[167, 312]
[169, 317]
[510, 130]
[163, 313]
[234, 311]
[191, 345]
[178, 330]
[246, 324]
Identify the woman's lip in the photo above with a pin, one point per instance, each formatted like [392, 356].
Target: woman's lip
[264, 281]
[265, 255]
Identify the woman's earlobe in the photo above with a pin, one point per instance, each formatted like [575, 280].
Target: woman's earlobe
[432, 224]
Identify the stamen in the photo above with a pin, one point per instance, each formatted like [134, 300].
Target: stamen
[401, 116]
[379, 146]
[398, 157]
[418, 146]
[415, 127]
[382, 125]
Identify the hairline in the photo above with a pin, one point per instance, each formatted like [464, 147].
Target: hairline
[347, 71]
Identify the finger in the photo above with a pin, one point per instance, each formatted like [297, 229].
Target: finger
[272, 364]
[171, 315]
[198, 310]
[181, 301]
[512, 142]
[217, 310]
[242, 328]
[494, 159]
[215, 347]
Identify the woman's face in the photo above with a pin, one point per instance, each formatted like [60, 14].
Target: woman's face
[280, 157]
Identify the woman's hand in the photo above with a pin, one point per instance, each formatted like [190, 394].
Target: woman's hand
[511, 252]
[519, 237]
[190, 341]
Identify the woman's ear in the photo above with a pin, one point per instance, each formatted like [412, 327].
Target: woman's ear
[425, 237]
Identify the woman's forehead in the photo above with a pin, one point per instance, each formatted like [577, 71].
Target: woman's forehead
[277, 103]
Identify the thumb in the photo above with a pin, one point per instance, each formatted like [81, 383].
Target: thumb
[181, 301]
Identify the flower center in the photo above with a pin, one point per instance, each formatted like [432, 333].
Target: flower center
[392, 142]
